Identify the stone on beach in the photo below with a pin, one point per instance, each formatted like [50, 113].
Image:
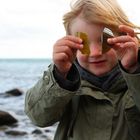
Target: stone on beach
[14, 92]
[15, 132]
[6, 118]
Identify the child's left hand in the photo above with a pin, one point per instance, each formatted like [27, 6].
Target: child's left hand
[126, 47]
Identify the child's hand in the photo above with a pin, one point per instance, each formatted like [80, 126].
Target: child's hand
[64, 53]
[126, 47]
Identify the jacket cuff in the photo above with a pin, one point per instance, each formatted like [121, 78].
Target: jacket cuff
[135, 72]
[72, 81]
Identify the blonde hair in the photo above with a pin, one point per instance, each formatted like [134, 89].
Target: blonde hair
[106, 12]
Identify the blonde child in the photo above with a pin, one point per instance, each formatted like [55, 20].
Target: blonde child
[94, 96]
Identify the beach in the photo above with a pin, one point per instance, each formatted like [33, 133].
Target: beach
[21, 74]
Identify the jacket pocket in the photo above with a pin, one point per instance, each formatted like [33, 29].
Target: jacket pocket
[133, 121]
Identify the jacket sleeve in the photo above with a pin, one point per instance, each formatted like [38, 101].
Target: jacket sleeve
[46, 101]
[133, 83]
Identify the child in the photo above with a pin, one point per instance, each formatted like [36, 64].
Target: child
[94, 96]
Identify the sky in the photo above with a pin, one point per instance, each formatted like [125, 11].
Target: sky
[29, 28]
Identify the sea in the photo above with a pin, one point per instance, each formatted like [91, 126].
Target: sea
[21, 74]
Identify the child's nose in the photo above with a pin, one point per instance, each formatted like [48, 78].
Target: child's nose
[95, 50]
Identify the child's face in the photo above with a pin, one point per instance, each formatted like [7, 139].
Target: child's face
[97, 62]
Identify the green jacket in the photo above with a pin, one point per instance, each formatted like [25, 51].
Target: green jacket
[94, 115]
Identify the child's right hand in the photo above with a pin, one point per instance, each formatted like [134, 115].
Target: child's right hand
[64, 53]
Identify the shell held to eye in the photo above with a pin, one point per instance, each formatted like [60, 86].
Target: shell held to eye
[107, 33]
[85, 50]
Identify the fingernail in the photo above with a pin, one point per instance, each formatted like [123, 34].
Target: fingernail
[81, 46]
[109, 40]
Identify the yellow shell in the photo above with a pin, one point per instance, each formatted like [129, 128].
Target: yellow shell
[85, 50]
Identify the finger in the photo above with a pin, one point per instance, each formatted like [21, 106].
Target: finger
[120, 39]
[127, 29]
[122, 46]
[71, 44]
[116, 46]
[60, 57]
[128, 45]
[73, 38]
[64, 49]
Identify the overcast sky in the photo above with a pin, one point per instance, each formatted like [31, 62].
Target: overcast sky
[29, 28]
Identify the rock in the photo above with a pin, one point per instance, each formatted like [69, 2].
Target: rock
[14, 92]
[3, 128]
[37, 131]
[47, 130]
[6, 118]
[15, 133]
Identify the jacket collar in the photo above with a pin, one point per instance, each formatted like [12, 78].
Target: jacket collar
[111, 82]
